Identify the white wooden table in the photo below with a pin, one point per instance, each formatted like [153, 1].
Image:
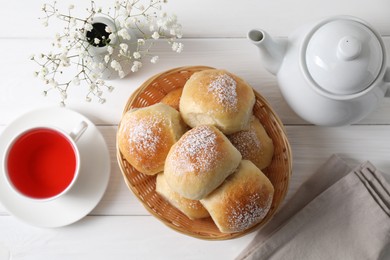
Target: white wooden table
[214, 35]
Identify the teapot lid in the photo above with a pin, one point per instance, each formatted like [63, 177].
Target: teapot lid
[343, 56]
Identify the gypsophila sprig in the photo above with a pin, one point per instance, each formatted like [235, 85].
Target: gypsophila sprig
[77, 58]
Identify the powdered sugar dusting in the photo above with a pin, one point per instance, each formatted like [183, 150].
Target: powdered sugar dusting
[224, 89]
[245, 142]
[242, 217]
[196, 150]
[146, 135]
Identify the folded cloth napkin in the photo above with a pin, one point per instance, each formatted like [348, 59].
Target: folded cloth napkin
[338, 213]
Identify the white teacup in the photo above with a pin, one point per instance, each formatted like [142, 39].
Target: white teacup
[43, 163]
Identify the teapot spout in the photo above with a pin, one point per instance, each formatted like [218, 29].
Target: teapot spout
[272, 50]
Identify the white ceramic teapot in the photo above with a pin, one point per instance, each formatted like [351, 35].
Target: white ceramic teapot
[332, 72]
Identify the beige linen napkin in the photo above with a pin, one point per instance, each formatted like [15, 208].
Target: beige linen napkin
[336, 214]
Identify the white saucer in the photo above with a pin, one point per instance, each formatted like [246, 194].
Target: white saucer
[91, 183]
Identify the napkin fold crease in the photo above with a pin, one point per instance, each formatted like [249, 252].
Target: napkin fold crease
[338, 213]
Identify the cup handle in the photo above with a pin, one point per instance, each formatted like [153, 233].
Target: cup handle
[78, 131]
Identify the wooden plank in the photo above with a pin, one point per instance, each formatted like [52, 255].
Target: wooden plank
[111, 237]
[20, 91]
[198, 17]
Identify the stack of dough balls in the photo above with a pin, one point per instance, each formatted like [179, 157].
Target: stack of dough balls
[206, 148]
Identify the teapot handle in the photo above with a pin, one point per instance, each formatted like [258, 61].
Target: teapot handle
[387, 82]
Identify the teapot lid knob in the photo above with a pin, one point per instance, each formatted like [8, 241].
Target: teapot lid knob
[349, 48]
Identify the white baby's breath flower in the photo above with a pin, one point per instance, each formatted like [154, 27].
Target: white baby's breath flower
[116, 65]
[96, 41]
[88, 27]
[94, 76]
[180, 48]
[121, 74]
[154, 59]
[136, 66]
[106, 58]
[175, 45]
[53, 82]
[110, 50]
[44, 71]
[108, 29]
[102, 100]
[88, 99]
[112, 36]
[141, 42]
[70, 7]
[45, 22]
[124, 46]
[124, 34]
[137, 55]
[155, 35]
[101, 66]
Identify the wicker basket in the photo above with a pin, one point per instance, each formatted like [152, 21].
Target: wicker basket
[143, 186]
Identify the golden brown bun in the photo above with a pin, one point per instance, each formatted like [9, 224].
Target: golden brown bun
[254, 144]
[173, 98]
[200, 161]
[242, 201]
[145, 136]
[219, 98]
[191, 208]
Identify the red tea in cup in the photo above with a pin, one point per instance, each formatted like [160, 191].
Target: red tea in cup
[42, 163]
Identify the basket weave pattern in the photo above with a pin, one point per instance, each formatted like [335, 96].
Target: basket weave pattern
[143, 186]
